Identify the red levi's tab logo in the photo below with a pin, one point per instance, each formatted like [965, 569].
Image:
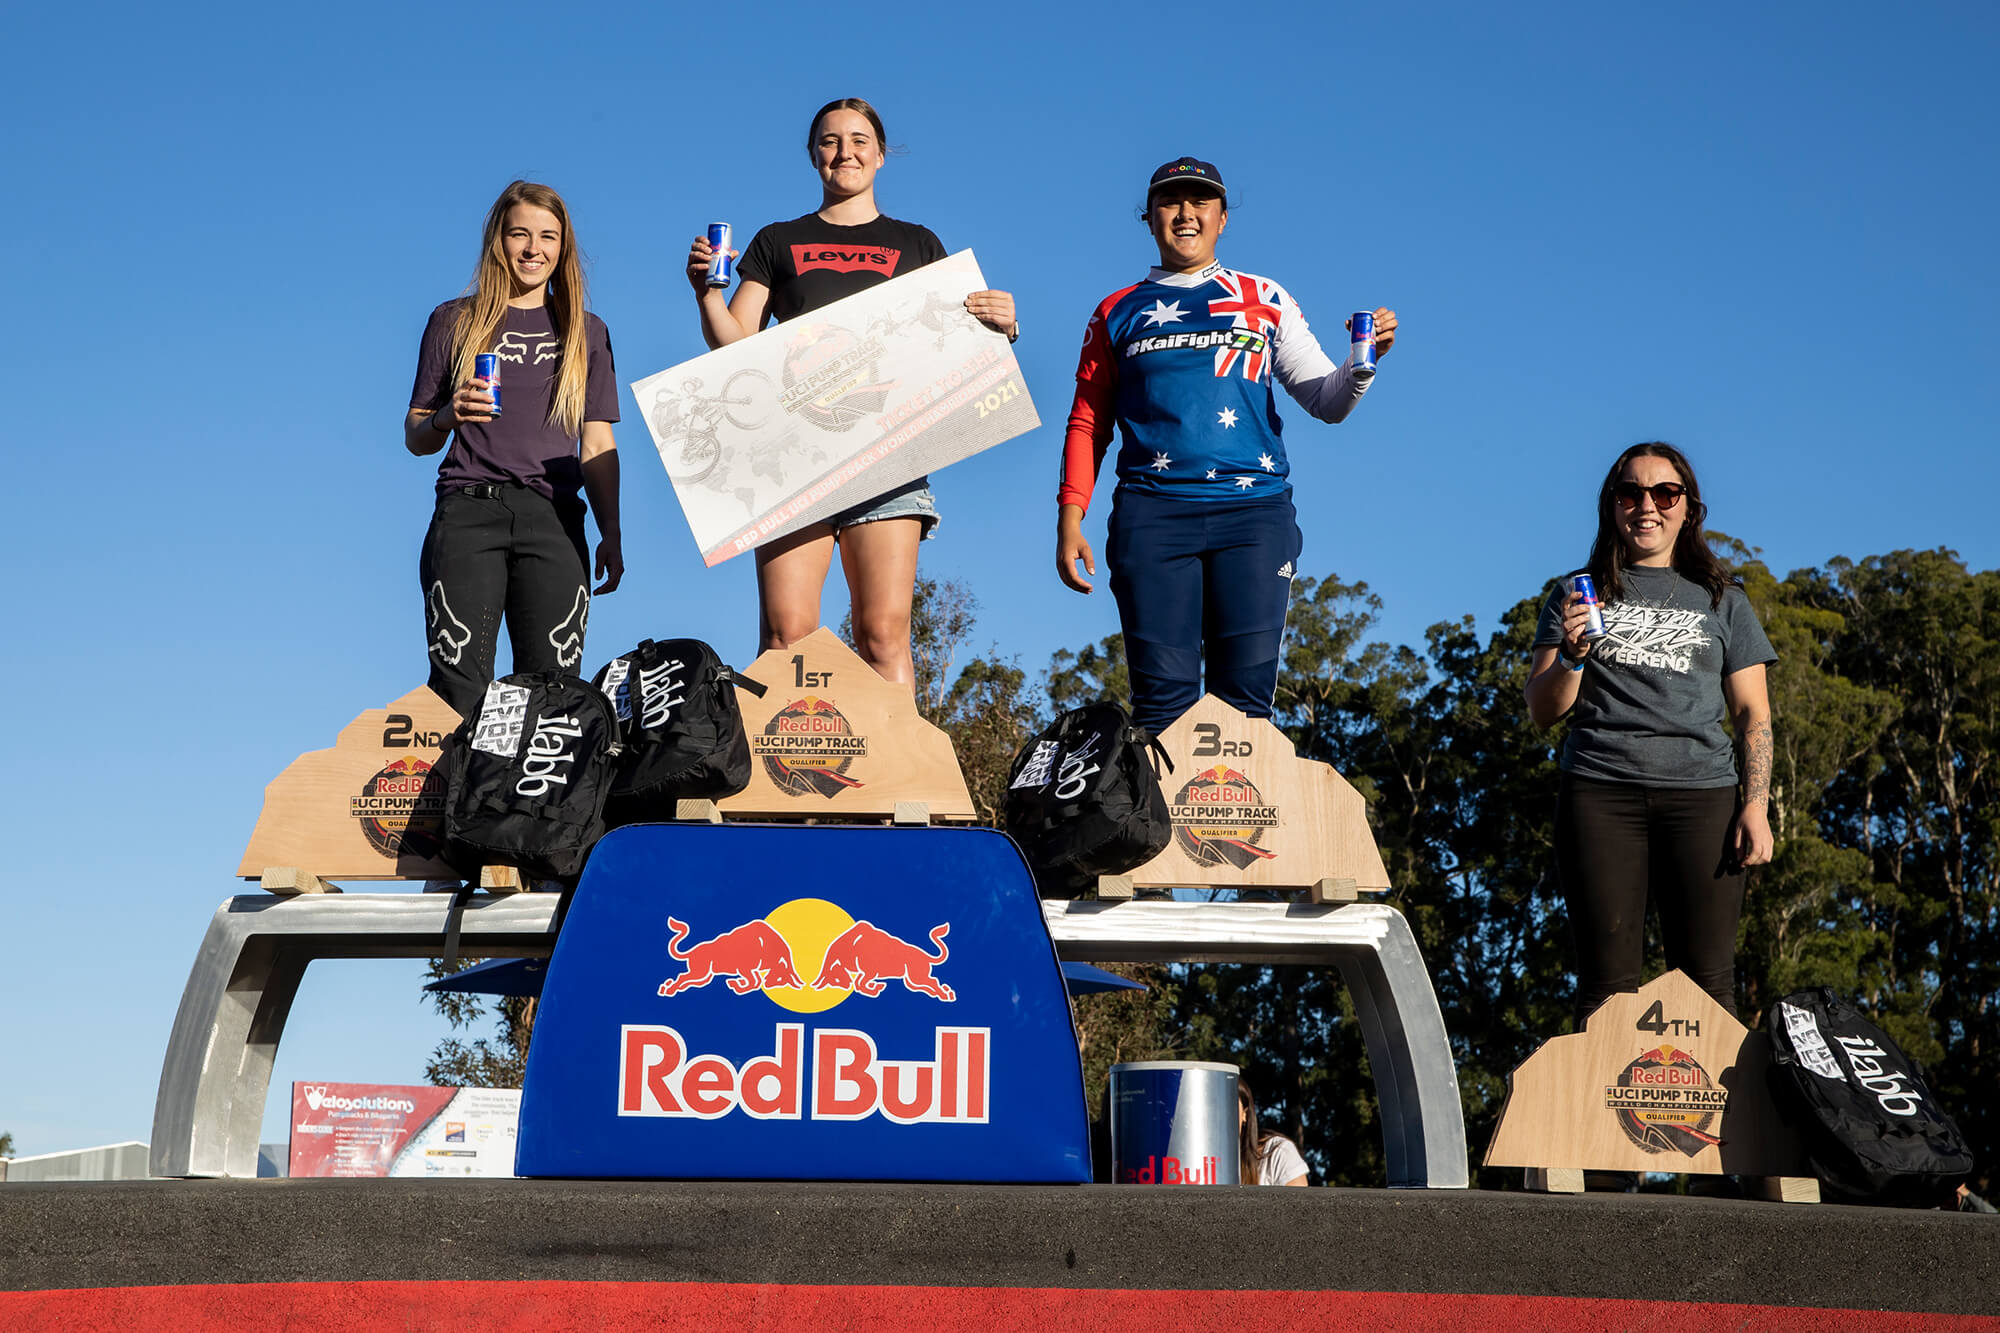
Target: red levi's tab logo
[846, 258]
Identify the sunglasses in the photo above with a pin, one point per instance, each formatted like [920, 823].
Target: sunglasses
[1666, 494]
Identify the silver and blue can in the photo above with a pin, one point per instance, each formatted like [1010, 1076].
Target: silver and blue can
[721, 268]
[1586, 587]
[486, 366]
[1173, 1123]
[1361, 328]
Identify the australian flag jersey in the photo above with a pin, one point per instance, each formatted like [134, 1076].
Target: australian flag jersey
[1184, 363]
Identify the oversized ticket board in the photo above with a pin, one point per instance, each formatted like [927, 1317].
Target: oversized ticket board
[784, 1002]
[386, 1129]
[812, 416]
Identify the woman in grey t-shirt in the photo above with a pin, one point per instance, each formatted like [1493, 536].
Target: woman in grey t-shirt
[1649, 805]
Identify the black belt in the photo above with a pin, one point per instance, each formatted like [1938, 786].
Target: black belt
[486, 490]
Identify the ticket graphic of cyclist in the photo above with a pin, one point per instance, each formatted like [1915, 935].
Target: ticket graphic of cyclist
[808, 418]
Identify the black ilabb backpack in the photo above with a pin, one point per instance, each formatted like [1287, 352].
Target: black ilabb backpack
[527, 774]
[1872, 1129]
[682, 731]
[1084, 799]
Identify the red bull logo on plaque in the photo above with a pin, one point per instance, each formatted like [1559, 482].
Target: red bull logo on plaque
[850, 1079]
[1220, 818]
[401, 809]
[1665, 1101]
[807, 748]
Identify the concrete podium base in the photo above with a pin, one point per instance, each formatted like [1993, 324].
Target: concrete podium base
[773, 1254]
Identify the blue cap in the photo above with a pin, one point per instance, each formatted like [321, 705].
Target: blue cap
[1187, 169]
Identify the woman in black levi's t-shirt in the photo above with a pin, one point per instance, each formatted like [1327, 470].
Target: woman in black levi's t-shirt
[793, 267]
[507, 538]
[1648, 805]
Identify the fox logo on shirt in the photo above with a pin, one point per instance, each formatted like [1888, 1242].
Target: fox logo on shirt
[846, 258]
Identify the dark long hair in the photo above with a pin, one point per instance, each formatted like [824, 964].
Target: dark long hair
[1692, 559]
[1251, 1138]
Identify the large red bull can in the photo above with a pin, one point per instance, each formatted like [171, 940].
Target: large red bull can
[1173, 1122]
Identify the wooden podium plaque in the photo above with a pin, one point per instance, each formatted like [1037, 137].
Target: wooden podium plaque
[830, 739]
[1662, 1079]
[1249, 813]
[369, 808]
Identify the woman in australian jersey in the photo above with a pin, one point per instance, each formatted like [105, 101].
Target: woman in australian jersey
[507, 535]
[1648, 804]
[794, 267]
[1203, 540]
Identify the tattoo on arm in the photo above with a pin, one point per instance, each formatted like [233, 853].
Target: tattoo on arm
[1757, 762]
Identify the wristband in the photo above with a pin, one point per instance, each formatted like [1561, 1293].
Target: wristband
[446, 430]
[1568, 664]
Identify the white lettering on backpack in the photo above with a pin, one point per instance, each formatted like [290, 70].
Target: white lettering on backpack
[617, 688]
[1035, 773]
[1075, 774]
[550, 750]
[1865, 1058]
[503, 716]
[1814, 1054]
[661, 689]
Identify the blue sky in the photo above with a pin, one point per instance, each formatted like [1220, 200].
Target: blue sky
[1764, 236]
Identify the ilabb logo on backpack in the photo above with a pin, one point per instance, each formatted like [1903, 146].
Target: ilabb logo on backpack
[661, 690]
[551, 753]
[1893, 1088]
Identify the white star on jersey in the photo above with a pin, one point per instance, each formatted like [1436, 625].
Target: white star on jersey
[1245, 483]
[1161, 462]
[1227, 416]
[1211, 474]
[1266, 462]
[1162, 313]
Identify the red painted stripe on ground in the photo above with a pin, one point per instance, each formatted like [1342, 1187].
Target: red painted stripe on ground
[538, 1307]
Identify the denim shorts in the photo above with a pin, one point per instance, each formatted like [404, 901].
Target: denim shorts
[910, 500]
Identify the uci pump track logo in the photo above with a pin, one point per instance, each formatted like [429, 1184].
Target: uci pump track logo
[807, 956]
[1220, 816]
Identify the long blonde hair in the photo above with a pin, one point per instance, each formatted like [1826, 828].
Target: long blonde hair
[485, 308]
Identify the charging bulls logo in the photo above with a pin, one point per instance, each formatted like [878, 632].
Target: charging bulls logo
[1220, 818]
[809, 937]
[807, 748]
[830, 378]
[753, 956]
[1666, 1102]
[401, 809]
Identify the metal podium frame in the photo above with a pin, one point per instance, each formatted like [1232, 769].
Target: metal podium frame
[217, 1071]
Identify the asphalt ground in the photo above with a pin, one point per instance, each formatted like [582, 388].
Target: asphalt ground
[1645, 1247]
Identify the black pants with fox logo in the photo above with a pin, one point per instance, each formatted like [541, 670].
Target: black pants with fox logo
[497, 550]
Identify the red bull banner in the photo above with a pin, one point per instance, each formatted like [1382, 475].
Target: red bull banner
[807, 1003]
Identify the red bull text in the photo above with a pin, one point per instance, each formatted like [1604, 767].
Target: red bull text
[848, 1078]
[1172, 1171]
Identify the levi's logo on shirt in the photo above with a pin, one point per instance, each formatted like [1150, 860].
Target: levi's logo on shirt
[846, 258]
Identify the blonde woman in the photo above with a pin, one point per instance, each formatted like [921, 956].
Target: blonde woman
[507, 536]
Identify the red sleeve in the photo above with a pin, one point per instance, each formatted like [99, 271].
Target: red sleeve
[1092, 412]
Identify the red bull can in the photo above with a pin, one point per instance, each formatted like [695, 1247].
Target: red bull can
[1361, 329]
[1173, 1122]
[486, 366]
[1586, 587]
[721, 268]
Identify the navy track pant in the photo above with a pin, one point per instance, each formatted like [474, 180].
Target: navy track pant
[1201, 585]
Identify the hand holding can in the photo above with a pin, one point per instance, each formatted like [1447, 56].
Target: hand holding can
[1585, 589]
[721, 264]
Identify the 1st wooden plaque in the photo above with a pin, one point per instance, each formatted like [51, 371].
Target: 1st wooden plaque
[830, 739]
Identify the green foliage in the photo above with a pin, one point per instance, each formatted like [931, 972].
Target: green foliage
[1097, 672]
[483, 1063]
[6, 1145]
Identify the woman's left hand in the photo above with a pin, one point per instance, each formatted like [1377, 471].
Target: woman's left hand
[1750, 836]
[1385, 330]
[993, 309]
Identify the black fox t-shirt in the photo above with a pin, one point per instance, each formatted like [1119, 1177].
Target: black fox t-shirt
[810, 262]
[520, 444]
